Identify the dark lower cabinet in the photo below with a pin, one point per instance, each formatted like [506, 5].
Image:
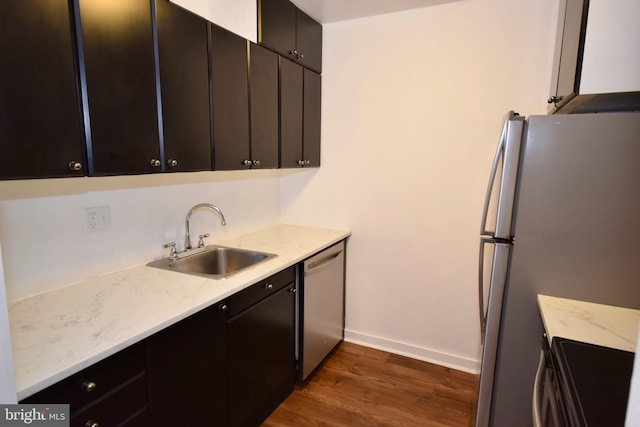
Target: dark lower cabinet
[230, 364]
[41, 127]
[119, 64]
[183, 60]
[186, 372]
[260, 350]
[112, 392]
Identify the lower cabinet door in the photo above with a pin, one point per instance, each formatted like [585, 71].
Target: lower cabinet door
[186, 374]
[260, 364]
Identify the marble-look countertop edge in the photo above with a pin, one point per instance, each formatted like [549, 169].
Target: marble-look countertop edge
[592, 323]
[44, 326]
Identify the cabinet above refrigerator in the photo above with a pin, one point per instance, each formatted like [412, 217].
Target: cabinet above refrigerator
[597, 60]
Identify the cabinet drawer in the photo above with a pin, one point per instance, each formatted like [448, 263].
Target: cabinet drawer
[117, 408]
[247, 297]
[102, 377]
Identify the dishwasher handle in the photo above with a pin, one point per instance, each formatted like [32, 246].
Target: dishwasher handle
[330, 257]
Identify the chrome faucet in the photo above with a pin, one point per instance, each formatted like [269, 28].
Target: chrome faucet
[187, 238]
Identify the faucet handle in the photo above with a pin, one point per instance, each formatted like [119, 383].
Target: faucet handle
[173, 255]
[201, 241]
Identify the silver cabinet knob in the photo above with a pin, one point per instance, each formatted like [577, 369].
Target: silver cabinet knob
[554, 99]
[293, 52]
[300, 162]
[91, 424]
[293, 290]
[75, 166]
[223, 307]
[268, 286]
[155, 163]
[247, 162]
[256, 162]
[301, 56]
[307, 162]
[172, 162]
[89, 386]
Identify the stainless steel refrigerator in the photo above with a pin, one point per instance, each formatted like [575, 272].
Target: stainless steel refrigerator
[561, 218]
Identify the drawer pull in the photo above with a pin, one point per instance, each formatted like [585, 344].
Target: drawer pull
[268, 286]
[89, 386]
[91, 424]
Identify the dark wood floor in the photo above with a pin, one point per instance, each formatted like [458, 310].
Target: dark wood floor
[360, 386]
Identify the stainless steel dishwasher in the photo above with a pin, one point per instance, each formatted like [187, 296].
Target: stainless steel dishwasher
[321, 307]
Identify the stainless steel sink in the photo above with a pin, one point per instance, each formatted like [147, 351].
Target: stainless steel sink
[212, 261]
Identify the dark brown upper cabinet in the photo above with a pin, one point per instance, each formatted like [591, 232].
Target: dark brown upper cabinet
[41, 127]
[300, 100]
[230, 99]
[183, 60]
[311, 118]
[263, 95]
[291, 88]
[289, 31]
[119, 65]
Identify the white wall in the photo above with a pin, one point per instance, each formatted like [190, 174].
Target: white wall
[47, 245]
[412, 110]
[238, 16]
[7, 378]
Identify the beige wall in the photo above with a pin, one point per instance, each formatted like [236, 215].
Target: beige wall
[412, 110]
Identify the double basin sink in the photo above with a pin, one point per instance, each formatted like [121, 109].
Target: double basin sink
[212, 261]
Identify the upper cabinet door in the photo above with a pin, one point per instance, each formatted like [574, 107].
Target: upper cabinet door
[569, 45]
[230, 94]
[311, 118]
[119, 63]
[595, 68]
[308, 41]
[291, 88]
[287, 30]
[277, 25]
[263, 97]
[184, 88]
[41, 129]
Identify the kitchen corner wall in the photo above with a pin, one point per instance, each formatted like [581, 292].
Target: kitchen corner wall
[412, 110]
[45, 239]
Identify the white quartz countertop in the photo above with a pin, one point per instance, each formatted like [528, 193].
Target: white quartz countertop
[599, 324]
[61, 332]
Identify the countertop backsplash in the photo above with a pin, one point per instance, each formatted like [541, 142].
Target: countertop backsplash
[51, 246]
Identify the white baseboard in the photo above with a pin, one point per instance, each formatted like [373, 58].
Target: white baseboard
[427, 355]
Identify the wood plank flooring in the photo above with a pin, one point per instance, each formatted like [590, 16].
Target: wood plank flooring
[360, 386]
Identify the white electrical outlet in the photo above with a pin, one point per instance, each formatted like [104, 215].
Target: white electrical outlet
[98, 219]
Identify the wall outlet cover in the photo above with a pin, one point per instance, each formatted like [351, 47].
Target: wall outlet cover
[98, 219]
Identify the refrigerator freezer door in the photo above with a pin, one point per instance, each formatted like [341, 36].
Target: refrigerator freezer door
[490, 318]
[577, 236]
[497, 213]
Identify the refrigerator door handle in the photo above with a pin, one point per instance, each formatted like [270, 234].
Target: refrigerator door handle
[509, 153]
[482, 312]
[491, 322]
[492, 178]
